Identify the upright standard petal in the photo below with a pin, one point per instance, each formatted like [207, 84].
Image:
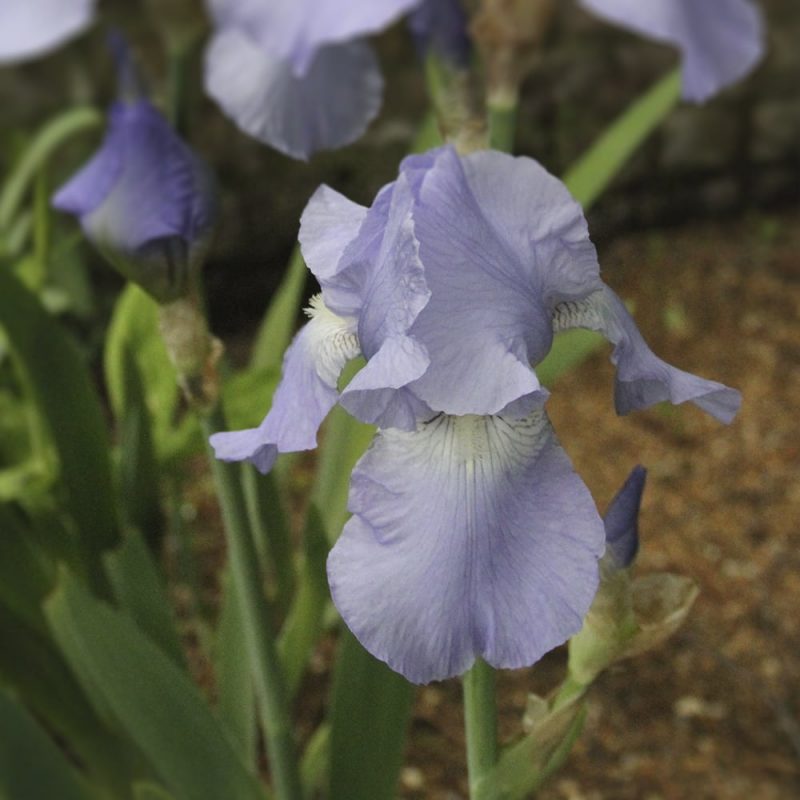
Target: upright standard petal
[471, 537]
[621, 519]
[328, 106]
[330, 222]
[30, 28]
[720, 41]
[486, 289]
[378, 278]
[306, 393]
[642, 378]
[540, 220]
[394, 291]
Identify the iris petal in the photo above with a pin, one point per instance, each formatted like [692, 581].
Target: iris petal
[304, 397]
[642, 378]
[471, 537]
[382, 269]
[144, 184]
[29, 28]
[329, 106]
[486, 319]
[329, 223]
[538, 218]
[293, 30]
[720, 41]
[377, 394]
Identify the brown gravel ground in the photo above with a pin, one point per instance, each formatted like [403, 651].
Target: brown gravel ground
[715, 712]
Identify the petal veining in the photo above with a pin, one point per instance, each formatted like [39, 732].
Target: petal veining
[470, 537]
[486, 319]
[534, 212]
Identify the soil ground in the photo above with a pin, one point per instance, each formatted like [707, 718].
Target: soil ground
[715, 712]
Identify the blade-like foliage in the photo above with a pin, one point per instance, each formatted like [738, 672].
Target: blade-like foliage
[153, 701]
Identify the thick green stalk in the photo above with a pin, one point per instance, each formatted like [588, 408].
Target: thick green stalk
[261, 649]
[502, 126]
[480, 721]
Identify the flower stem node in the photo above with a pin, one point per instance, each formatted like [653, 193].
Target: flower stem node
[193, 351]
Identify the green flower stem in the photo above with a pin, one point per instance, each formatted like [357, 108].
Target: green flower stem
[480, 720]
[480, 700]
[569, 691]
[270, 530]
[178, 64]
[261, 649]
[502, 125]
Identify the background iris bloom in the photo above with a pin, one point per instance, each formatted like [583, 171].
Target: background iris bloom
[30, 28]
[296, 74]
[145, 199]
[471, 534]
[720, 41]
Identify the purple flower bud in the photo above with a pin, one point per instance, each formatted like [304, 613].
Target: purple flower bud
[621, 519]
[720, 41]
[441, 26]
[145, 199]
[298, 75]
[31, 28]
[471, 534]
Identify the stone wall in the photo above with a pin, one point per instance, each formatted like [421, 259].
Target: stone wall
[740, 150]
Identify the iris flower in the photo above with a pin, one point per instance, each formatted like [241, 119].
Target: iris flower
[720, 41]
[145, 198]
[471, 535]
[297, 74]
[30, 28]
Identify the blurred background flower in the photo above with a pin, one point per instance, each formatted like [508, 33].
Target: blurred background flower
[145, 199]
[31, 28]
